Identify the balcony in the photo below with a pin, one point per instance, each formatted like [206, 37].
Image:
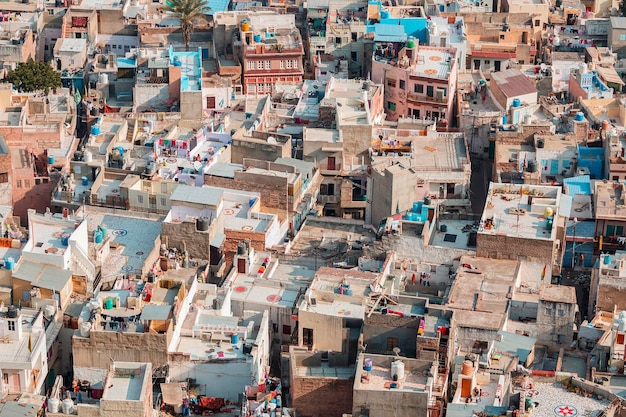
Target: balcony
[421, 98]
[328, 199]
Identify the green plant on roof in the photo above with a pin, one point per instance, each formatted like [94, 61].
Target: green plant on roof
[188, 11]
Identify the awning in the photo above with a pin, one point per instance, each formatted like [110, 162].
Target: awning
[172, 393]
[609, 75]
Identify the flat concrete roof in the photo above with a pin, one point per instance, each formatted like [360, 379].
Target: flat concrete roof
[417, 378]
[519, 211]
[125, 381]
[558, 294]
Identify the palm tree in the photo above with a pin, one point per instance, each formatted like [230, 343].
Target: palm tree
[187, 11]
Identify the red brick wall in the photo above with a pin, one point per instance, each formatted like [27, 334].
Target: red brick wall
[321, 397]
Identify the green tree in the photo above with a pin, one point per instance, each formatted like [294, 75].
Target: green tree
[187, 11]
[34, 76]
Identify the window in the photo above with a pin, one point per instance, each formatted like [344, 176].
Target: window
[11, 324]
[50, 12]
[282, 64]
[45, 47]
[548, 311]
[391, 83]
[259, 65]
[289, 63]
[402, 84]
[4, 177]
[338, 40]
[250, 65]
[392, 342]
[487, 62]
[430, 91]
[295, 63]
[560, 312]
[537, 22]
[622, 37]
[5, 378]
[26, 183]
[501, 37]
[140, 199]
[354, 36]
[268, 64]
[391, 105]
[114, 46]
[353, 56]
[18, 183]
[163, 201]
[418, 88]
[286, 329]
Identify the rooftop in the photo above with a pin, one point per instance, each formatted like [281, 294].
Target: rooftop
[418, 375]
[432, 62]
[125, 381]
[49, 233]
[513, 83]
[32, 330]
[71, 45]
[609, 200]
[520, 211]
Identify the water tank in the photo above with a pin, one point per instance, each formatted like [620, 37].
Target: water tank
[65, 238]
[556, 41]
[245, 26]
[202, 224]
[9, 263]
[541, 143]
[84, 329]
[548, 212]
[95, 304]
[607, 259]
[468, 368]
[605, 125]
[97, 236]
[516, 102]
[53, 404]
[505, 119]
[68, 406]
[367, 364]
[385, 14]
[51, 160]
[397, 370]
[427, 200]
[580, 117]
[410, 43]
[108, 304]
[583, 68]
[12, 312]
[234, 339]
[143, 53]
[95, 129]
[532, 165]
[85, 181]
[103, 78]
[87, 156]
[49, 311]
[241, 248]
[257, 38]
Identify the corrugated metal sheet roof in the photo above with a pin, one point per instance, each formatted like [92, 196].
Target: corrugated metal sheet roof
[577, 185]
[389, 33]
[513, 83]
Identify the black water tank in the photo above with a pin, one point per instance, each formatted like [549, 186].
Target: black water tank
[540, 143]
[241, 248]
[532, 165]
[12, 312]
[202, 224]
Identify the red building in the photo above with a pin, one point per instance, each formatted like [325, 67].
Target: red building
[271, 50]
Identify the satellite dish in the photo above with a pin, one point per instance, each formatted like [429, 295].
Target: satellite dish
[543, 67]
[396, 351]
[197, 165]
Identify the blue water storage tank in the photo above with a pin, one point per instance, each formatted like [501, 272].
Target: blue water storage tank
[97, 236]
[517, 102]
[95, 129]
[505, 119]
[257, 38]
[177, 62]
[580, 117]
[234, 339]
[9, 263]
[385, 14]
[607, 259]
[84, 181]
[51, 160]
[65, 239]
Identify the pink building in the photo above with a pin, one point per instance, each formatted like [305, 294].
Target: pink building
[419, 81]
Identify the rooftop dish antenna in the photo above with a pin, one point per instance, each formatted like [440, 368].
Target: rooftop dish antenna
[396, 352]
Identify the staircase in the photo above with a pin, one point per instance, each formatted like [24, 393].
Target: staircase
[130, 135]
